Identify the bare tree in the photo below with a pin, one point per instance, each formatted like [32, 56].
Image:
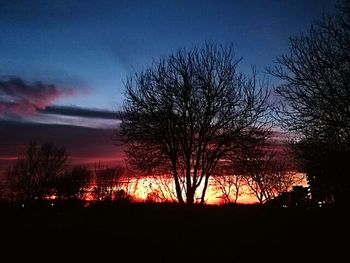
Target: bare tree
[315, 94]
[128, 183]
[266, 172]
[72, 184]
[161, 188]
[186, 112]
[228, 183]
[315, 99]
[106, 182]
[31, 178]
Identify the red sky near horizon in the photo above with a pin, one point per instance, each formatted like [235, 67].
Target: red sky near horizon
[28, 114]
[64, 64]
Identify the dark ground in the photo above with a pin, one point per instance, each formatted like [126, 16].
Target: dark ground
[168, 233]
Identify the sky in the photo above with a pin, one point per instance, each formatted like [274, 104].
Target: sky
[63, 63]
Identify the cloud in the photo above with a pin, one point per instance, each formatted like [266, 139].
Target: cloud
[88, 122]
[80, 112]
[84, 145]
[19, 98]
[77, 116]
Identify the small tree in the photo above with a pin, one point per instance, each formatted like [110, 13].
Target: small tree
[106, 182]
[186, 112]
[73, 183]
[266, 172]
[32, 176]
[122, 196]
[161, 189]
[228, 183]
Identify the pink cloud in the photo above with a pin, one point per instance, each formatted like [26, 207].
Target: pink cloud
[19, 98]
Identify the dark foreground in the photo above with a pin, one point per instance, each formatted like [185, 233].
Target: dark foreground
[168, 233]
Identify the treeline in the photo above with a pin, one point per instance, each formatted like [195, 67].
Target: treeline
[194, 116]
[315, 99]
[191, 111]
[42, 173]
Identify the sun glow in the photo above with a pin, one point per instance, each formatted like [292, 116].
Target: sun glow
[155, 189]
[161, 189]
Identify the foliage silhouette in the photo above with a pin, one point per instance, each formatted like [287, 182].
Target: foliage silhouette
[73, 183]
[32, 177]
[315, 103]
[266, 172]
[229, 183]
[106, 182]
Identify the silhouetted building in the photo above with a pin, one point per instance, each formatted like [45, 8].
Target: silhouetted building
[298, 197]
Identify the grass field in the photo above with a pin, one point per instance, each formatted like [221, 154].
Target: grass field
[170, 233]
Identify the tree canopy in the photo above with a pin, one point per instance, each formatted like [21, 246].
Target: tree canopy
[33, 175]
[186, 112]
[315, 101]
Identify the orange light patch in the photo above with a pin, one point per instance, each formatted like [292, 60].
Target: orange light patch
[150, 189]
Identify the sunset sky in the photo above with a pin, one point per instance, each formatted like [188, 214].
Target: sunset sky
[63, 63]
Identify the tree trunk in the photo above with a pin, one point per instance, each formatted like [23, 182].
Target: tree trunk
[178, 188]
[190, 188]
[204, 189]
[190, 196]
[178, 191]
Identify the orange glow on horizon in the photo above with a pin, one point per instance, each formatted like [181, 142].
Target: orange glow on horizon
[158, 190]
[149, 189]
[161, 189]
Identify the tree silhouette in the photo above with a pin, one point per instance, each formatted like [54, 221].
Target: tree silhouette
[32, 176]
[316, 98]
[106, 181]
[160, 188]
[186, 112]
[122, 196]
[266, 172]
[72, 184]
[229, 183]
[327, 168]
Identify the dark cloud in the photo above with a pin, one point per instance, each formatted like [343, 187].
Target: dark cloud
[84, 145]
[19, 98]
[80, 112]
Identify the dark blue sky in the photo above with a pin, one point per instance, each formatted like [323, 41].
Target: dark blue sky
[81, 51]
[92, 46]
